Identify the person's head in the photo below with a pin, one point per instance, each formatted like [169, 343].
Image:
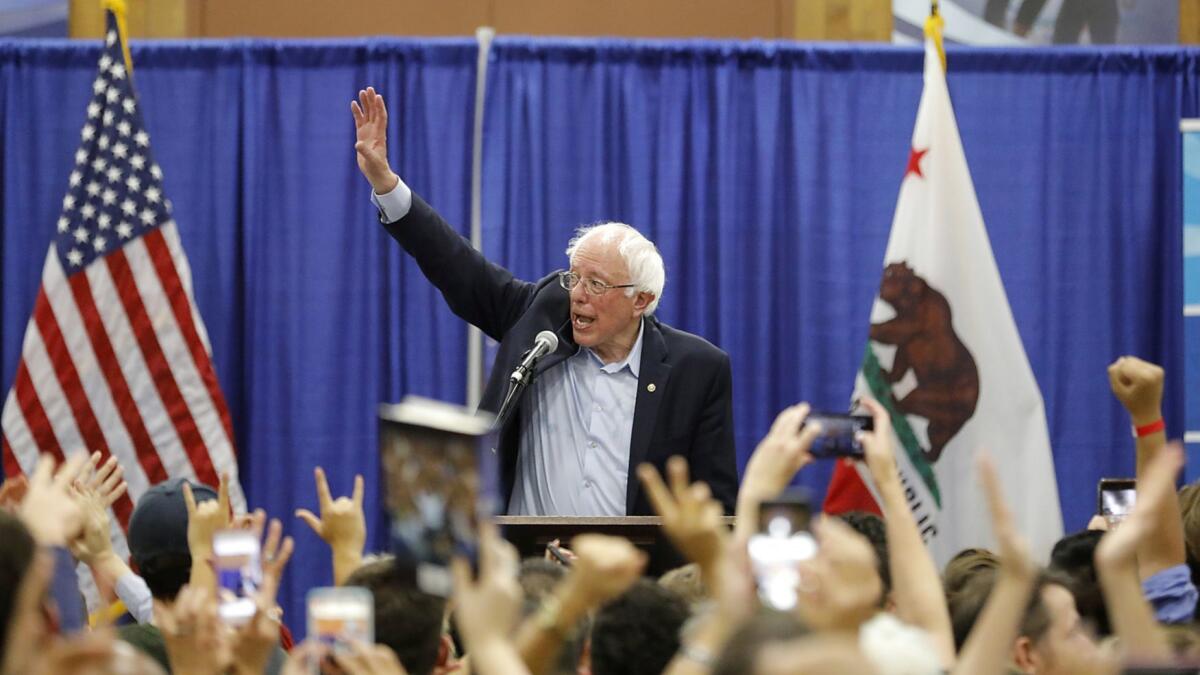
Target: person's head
[966, 564]
[1052, 638]
[638, 633]
[605, 255]
[96, 654]
[812, 655]
[966, 602]
[1074, 555]
[538, 577]
[766, 628]
[1189, 511]
[17, 550]
[158, 542]
[872, 527]
[407, 620]
[685, 582]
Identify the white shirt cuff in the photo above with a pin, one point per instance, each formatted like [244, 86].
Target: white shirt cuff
[133, 591]
[394, 205]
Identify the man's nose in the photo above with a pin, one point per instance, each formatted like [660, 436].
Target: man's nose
[578, 295]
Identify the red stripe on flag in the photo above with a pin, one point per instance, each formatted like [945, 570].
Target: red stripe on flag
[168, 275]
[11, 466]
[847, 492]
[72, 388]
[106, 358]
[160, 371]
[35, 415]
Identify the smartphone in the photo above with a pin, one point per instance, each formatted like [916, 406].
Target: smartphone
[237, 562]
[1115, 498]
[556, 552]
[839, 434]
[783, 540]
[340, 615]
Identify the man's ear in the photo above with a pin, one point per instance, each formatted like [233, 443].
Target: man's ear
[1024, 656]
[642, 300]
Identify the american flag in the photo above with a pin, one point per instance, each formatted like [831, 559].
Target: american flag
[115, 357]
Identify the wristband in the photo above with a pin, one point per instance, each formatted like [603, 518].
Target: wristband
[1151, 428]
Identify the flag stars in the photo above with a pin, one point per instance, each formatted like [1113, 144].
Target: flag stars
[137, 162]
[914, 162]
[142, 138]
[81, 234]
[113, 174]
[108, 117]
[81, 156]
[112, 94]
[99, 85]
[147, 217]
[123, 126]
[125, 230]
[129, 105]
[69, 202]
[128, 207]
[104, 221]
[117, 72]
[76, 178]
[133, 183]
[103, 142]
[105, 62]
[99, 243]
[64, 224]
[156, 172]
[93, 110]
[99, 164]
[110, 197]
[153, 194]
[87, 211]
[74, 257]
[119, 150]
[88, 132]
[110, 38]
[93, 189]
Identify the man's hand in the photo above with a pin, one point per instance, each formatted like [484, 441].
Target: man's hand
[779, 455]
[254, 642]
[342, 525]
[196, 640]
[840, 586]
[53, 518]
[370, 130]
[93, 543]
[107, 482]
[690, 516]
[203, 522]
[1139, 386]
[487, 609]
[604, 568]
[1011, 547]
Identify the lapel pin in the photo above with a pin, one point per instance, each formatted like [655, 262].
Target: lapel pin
[650, 387]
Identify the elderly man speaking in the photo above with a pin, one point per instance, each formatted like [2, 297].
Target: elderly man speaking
[622, 388]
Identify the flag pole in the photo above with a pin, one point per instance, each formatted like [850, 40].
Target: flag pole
[118, 8]
[933, 30]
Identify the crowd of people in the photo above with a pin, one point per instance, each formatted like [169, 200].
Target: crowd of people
[871, 599]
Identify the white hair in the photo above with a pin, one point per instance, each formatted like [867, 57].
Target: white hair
[641, 256]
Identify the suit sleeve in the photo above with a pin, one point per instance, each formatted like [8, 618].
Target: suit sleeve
[478, 291]
[714, 455]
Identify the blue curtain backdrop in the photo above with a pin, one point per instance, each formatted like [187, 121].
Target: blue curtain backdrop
[767, 174]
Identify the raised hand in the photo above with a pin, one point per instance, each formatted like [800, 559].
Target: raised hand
[196, 640]
[370, 130]
[878, 449]
[605, 567]
[107, 481]
[254, 642]
[486, 609]
[203, 522]
[1011, 547]
[1138, 385]
[53, 518]
[341, 524]
[840, 587]
[690, 516]
[779, 455]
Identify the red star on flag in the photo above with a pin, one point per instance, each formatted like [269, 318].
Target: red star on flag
[914, 162]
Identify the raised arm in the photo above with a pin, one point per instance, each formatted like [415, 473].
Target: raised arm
[370, 141]
[341, 524]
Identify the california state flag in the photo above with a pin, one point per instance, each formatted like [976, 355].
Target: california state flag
[944, 356]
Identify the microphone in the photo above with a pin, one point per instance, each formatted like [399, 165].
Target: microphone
[545, 343]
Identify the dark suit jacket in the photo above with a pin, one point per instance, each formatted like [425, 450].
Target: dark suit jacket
[684, 402]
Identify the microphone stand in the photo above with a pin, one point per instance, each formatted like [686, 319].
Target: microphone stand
[515, 386]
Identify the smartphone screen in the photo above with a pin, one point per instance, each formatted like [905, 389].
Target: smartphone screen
[1115, 497]
[782, 542]
[439, 480]
[339, 615]
[839, 434]
[238, 567]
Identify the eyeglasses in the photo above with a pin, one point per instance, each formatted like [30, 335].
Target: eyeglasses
[569, 280]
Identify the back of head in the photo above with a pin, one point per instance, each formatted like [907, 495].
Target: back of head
[1189, 511]
[686, 583]
[967, 601]
[1075, 557]
[966, 564]
[406, 620]
[538, 577]
[158, 543]
[638, 633]
[16, 555]
[873, 528]
[767, 627]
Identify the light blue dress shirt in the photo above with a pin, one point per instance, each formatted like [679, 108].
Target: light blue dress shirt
[576, 425]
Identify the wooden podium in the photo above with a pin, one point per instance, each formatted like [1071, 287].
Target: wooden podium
[530, 534]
